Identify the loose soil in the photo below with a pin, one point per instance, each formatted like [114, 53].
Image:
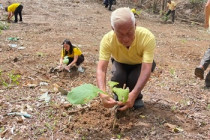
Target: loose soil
[176, 103]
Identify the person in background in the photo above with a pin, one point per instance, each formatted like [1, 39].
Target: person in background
[73, 55]
[171, 9]
[14, 9]
[199, 71]
[108, 3]
[131, 50]
[133, 10]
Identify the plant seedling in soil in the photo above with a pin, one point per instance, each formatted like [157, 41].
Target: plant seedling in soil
[65, 60]
[121, 93]
[86, 92]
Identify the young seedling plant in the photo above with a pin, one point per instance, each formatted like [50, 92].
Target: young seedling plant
[86, 92]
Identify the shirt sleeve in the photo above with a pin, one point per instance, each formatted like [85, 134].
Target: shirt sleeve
[9, 9]
[148, 54]
[105, 51]
[77, 51]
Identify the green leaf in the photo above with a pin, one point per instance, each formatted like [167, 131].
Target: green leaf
[83, 94]
[65, 61]
[3, 25]
[208, 106]
[122, 94]
[112, 84]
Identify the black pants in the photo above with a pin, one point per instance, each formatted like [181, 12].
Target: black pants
[206, 59]
[127, 74]
[108, 3]
[79, 60]
[205, 63]
[18, 10]
[172, 14]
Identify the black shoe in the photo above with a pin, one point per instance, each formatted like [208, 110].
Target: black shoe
[207, 80]
[199, 72]
[110, 9]
[106, 5]
[138, 104]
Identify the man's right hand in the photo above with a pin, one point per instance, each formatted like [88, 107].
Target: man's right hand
[107, 101]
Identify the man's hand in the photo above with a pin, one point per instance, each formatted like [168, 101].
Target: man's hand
[107, 101]
[129, 103]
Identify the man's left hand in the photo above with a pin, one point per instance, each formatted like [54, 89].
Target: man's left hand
[128, 104]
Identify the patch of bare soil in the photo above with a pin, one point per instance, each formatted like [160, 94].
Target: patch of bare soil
[176, 103]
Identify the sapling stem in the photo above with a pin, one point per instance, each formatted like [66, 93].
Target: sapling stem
[124, 86]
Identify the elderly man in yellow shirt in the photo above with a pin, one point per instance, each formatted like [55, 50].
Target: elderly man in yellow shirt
[14, 9]
[131, 50]
[171, 6]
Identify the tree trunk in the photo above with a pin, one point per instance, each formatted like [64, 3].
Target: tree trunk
[163, 6]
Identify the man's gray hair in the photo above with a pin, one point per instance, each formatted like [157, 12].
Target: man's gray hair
[122, 15]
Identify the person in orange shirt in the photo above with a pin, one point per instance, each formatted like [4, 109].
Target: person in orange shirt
[14, 9]
[171, 9]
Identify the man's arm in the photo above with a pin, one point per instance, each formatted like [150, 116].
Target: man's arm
[142, 80]
[107, 101]
[10, 14]
[101, 74]
[207, 14]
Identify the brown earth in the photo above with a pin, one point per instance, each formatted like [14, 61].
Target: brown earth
[176, 103]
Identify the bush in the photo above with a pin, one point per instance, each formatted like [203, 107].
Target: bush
[197, 1]
[3, 25]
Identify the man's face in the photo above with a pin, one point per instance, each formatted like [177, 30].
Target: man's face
[125, 33]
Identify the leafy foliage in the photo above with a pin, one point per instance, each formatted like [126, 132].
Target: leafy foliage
[83, 94]
[14, 78]
[121, 93]
[112, 84]
[11, 79]
[3, 25]
[165, 18]
[65, 60]
[197, 1]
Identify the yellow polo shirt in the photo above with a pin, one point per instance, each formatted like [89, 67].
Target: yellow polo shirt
[171, 6]
[140, 51]
[76, 51]
[13, 7]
